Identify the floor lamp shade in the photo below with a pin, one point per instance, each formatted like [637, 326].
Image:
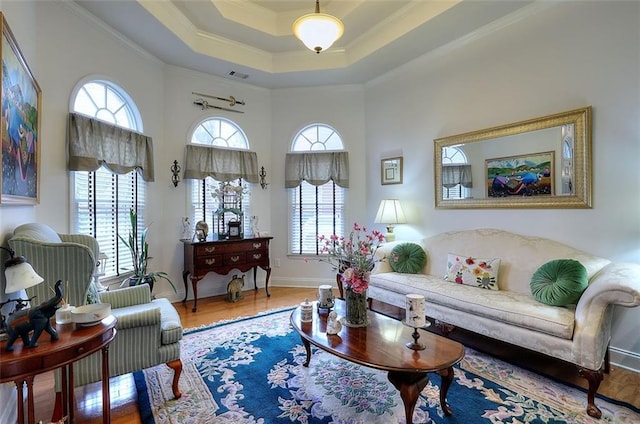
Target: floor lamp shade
[389, 213]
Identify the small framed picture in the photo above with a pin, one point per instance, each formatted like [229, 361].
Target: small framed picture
[391, 171]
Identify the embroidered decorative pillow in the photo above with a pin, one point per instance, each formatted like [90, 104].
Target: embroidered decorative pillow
[559, 282]
[408, 258]
[478, 272]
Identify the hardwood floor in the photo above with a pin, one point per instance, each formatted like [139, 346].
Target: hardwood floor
[620, 384]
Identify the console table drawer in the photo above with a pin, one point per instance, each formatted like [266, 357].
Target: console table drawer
[258, 257]
[238, 258]
[208, 261]
[207, 250]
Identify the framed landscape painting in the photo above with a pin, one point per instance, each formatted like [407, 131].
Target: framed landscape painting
[524, 175]
[21, 110]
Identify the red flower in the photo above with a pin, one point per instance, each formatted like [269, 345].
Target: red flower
[469, 261]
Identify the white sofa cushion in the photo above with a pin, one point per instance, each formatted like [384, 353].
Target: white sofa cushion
[507, 307]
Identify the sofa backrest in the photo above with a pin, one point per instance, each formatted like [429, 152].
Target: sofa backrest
[520, 255]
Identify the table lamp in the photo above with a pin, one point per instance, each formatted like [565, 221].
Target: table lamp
[19, 275]
[389, 213]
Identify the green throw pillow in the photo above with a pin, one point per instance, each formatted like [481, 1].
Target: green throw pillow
[559, 282]
[408, 258]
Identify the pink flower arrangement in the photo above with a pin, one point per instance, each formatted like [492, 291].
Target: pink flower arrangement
[354, 256]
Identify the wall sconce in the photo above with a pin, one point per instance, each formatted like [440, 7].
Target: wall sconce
[263, 178]
[175, 171]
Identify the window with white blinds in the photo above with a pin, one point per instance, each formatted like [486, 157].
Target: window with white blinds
[454, 155]
[102, 200]
[219, 132]
[315, 210]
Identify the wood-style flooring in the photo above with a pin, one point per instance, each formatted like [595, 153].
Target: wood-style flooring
[620, 384]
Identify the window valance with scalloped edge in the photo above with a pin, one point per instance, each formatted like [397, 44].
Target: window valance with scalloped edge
[454, 174]
[317, 168]
[93, 143]
[220, 164]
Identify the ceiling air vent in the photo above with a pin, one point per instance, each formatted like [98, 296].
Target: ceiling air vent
[236, 74]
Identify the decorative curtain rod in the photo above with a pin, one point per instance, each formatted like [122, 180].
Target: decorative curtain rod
[231, 100]
[205, 105]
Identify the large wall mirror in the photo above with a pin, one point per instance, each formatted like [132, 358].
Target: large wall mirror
[538, 163]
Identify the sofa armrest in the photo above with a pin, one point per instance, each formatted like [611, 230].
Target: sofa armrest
[128, 296]
[615, 284]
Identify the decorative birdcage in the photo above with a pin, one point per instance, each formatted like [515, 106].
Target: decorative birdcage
[229, 210]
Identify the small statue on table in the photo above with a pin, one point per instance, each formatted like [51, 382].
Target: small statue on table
[333, 323]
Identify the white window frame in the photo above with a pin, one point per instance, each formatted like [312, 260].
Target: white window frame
[303, 242]
[126, 115]
[201, 203]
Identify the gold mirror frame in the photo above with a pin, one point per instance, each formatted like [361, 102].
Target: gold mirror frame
[581, 179]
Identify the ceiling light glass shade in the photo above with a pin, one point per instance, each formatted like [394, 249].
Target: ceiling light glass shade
[21, 276]
[390, 212]
[318, 31]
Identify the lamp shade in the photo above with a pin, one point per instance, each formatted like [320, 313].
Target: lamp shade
[20, 276]
[318, 31]
[390, 212]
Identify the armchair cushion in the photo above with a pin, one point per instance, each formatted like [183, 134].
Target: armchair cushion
[38, 231]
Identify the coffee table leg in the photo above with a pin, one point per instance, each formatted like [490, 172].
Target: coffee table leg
[307, 347]
[409, 385]
[446, 380]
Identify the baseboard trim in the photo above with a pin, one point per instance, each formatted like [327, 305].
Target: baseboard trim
[624, 359]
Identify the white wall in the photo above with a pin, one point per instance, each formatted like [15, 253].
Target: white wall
[567, 56]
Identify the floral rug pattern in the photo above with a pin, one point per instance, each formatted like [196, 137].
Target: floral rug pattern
[250, 371]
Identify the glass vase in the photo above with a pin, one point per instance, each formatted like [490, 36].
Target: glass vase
[356, 308]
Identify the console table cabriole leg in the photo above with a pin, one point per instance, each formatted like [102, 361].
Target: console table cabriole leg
[71, 398]
[409, 385]
[266, 282]
[185, 275]
[445, 382]
[255, 278]
[194, 285]
[307, 347]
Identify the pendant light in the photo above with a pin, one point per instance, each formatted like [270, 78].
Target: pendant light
[318, 31]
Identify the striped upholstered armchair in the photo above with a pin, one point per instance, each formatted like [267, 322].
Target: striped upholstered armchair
[149, 330]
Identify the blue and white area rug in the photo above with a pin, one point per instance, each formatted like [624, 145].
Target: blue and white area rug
[250, 371]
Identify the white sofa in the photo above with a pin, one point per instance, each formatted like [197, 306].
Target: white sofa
[578, 334]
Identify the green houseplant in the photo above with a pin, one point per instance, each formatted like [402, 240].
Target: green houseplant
[139, 250]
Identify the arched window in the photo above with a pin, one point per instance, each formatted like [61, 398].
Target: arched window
[315, 210]
[452, 155]
[205, 201]
[102, 199]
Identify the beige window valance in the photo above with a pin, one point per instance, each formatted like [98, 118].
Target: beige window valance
[93, 143]
[454, 174]
[220, 164]
[317, 168]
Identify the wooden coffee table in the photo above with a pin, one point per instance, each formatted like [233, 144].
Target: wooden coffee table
[381, 345]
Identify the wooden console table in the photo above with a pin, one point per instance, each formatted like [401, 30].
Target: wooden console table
[221, 257]
[74, 343]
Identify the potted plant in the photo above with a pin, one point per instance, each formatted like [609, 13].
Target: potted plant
[139, 250]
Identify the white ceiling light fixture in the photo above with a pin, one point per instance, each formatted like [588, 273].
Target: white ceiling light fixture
[318, 31]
